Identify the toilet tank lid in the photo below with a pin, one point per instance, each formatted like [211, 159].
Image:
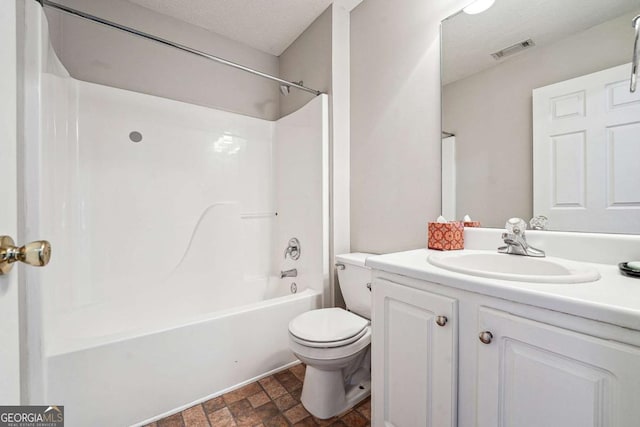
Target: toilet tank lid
[356, 258]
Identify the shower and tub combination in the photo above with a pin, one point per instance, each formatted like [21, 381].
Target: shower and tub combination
[171, 224]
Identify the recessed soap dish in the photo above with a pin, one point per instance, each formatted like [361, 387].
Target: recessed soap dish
[628, 271]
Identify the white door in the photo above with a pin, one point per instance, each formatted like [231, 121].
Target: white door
[414, 361]
[9, 332]
[532, 374]
[586, 146]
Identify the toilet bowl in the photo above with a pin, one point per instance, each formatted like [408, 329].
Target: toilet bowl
[335, 344]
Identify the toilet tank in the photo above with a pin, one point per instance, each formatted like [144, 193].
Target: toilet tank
[353, 280]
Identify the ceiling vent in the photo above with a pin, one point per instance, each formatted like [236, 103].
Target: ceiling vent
[513, 49]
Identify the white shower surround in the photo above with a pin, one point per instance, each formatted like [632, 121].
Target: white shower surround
[186, 211]
[162, 288]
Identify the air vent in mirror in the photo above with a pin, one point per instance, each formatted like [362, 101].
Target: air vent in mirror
[513, 49]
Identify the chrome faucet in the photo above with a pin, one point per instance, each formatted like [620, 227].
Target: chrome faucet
[289, 273]
[516, 241]
[293, 249]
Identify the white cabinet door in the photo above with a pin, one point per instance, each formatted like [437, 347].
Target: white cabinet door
[414, 360]
[586, 145]
[532, 374]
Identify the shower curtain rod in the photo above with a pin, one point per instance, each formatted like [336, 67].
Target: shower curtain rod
[165, 42]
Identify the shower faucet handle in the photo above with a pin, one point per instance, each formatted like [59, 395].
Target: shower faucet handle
[293, 249]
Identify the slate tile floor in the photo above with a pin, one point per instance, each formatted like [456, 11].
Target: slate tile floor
[271, 402]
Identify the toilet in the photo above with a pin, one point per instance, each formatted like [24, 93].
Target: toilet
[335, 344]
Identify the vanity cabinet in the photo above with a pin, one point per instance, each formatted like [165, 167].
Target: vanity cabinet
[495, 362]
[414, 352]
[532, 374]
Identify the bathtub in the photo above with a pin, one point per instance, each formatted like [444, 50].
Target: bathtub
[144, 314]
[133, 375]
[154, 303]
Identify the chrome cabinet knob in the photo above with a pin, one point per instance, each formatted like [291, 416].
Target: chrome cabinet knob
[441, 320]
[485, 337]
[36, 253]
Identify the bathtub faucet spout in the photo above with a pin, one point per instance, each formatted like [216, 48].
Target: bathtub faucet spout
[289, 273]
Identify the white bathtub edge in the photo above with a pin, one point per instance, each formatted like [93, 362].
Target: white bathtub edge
[213, 395]
[53, 350]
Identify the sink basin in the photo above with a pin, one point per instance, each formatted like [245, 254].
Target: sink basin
[514, 267]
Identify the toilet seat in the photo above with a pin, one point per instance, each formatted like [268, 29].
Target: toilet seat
[330, 344]
[330, 355]
[327, 328]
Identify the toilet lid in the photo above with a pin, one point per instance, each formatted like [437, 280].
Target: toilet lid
[327, 325]
[330, 344]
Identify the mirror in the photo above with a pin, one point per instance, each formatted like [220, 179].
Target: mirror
[537, 115]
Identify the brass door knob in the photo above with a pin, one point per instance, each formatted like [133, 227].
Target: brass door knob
[36, 253]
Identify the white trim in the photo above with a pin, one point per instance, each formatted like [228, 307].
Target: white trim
[340, 141]
[347, 5]
[9, 300]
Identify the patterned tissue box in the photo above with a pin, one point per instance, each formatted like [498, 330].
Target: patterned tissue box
[445, 236]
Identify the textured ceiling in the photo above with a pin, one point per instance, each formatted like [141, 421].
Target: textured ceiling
[469, 40]
[268, 25]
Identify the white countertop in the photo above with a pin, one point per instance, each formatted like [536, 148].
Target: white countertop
[613, 298]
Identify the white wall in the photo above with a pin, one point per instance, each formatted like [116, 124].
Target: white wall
[490, 114]
[308, 59]
[395, 121]
[98, 54]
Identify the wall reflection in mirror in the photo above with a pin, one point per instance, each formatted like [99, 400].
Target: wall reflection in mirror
[538, 117]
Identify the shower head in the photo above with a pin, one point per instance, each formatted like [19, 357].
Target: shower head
[285, 89]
